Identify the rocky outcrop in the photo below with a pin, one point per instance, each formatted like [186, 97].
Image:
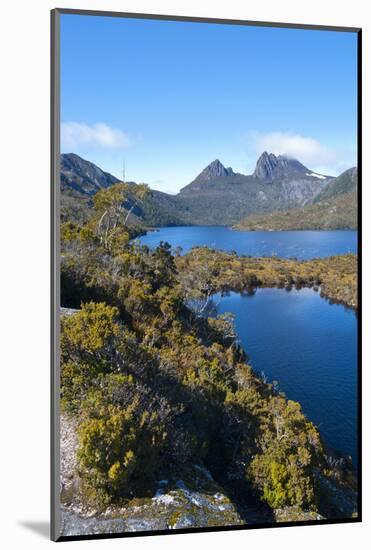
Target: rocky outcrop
[193, 500]
[175, 505]
[68, 311]
[69, 479]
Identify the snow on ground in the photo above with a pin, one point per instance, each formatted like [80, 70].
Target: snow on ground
[314, 175]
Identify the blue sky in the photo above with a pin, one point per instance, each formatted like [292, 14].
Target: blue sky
[170, 97]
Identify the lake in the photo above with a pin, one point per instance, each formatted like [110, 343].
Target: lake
[310, 347]
[285, 244]
[297, 338]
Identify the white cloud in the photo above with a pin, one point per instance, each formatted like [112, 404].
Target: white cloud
[309, 151]
[305, 149]
[77, 134]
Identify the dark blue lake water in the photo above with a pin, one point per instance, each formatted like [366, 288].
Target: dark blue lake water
[285, 244]
[296, 338]
[310, 348]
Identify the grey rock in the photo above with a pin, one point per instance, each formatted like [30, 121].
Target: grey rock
[83, 177]
[193, 501]
[214, 170]
[270, 167]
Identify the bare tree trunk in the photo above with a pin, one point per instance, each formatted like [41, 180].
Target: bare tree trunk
[130, 211]
[100, 225]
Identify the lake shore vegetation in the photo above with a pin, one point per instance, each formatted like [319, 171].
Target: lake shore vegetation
[155, 387]
[205, 271]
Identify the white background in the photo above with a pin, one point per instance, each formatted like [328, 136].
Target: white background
[24, 288]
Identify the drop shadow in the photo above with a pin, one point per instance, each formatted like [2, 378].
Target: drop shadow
[41, 528]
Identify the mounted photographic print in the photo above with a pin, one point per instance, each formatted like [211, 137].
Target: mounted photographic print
[205, 241]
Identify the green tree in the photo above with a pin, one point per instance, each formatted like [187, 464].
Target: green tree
[114, 206]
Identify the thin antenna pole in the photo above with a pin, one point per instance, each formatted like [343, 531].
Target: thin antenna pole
[123, 171]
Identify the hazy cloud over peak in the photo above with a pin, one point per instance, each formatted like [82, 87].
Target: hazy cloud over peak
[306, 149]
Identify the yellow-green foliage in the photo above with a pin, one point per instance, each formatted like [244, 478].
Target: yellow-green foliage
[93, 344]
[113, 207]
[71, 231]
[108, 224]
[91, 329]
[291, 450]
[114, 196]
[155, 385]
[127, 433]
[211, 269]
[119, 443]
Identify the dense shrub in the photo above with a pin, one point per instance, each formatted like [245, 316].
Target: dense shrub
[121, 438]
[289, 454]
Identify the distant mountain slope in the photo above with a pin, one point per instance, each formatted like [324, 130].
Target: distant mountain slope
[336, 213]
[213, 170]
[225, 201]
[217, 196]
[81, 179]
[278, 183]
[82, 176]
[337, 209]
[345, 183]
[162, 209]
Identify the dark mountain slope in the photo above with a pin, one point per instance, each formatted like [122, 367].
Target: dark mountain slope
[82, 176]
[336, 213]
[278, 183]
[226, 199]
[218, 196]
[334, 208]
[81, 179]
[214, 170]
[347, 182]
[162, 209]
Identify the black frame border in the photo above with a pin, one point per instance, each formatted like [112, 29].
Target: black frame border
[55, 269]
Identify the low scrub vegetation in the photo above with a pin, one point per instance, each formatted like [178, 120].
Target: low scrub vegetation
[156, 386]
[204, 271]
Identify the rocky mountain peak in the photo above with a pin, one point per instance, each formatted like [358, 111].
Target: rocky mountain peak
[270, 167]
[214, 170]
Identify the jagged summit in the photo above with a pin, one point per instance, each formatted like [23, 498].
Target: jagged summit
[271, 167]
[214, 170]
[218, 196]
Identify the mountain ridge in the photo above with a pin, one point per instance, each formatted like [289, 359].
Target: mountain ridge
[334, 208]
[270, 167]
[213, 170]
[83, 176]
[346, 182]
[217, 196]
